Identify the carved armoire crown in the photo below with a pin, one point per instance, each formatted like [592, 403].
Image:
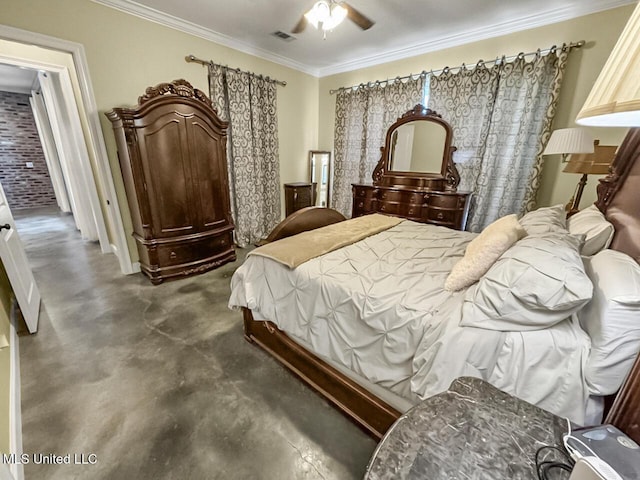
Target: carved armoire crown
[172, 152]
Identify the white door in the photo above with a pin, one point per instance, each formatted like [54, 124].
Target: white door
[17, 266]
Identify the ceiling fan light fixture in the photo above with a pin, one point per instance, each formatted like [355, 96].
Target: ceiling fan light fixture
[328, 14]
[318, 14]
[337, 15]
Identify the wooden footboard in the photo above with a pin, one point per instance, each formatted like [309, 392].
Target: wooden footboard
[367, 410]
[370, 412]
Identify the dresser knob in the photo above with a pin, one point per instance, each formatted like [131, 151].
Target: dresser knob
[384, 195]
[440, 216]
[411, 211]
[383, 208]
[361, 204]
[361, 193]
[173, 255]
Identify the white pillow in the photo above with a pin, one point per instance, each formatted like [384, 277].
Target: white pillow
[483, 251]
[612, 320]
[535, 284]
[545, 219]
[594, 226]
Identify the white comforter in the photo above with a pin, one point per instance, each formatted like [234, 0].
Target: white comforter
[378, 307]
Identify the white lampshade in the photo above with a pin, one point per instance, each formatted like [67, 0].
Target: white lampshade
[614, 100]
[569, 140]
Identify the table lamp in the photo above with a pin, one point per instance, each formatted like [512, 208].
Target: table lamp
[567, 141]
[596, 163]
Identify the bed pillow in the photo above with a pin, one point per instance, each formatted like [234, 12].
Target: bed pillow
[483, 251]
[597, 230]
[612, 320]
[535, 284]
[545, 219]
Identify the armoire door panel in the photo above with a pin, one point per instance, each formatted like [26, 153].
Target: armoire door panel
[168, 176]
[206, 148]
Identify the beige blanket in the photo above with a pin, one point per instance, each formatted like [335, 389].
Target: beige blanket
[295, 250]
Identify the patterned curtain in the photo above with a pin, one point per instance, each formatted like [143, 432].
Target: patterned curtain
[465, 99]
[501, 118]
[248, 103]
[362, 119]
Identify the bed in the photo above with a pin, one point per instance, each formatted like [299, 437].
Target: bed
[376, 348]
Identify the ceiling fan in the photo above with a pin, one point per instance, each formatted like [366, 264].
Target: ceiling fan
[327, 14]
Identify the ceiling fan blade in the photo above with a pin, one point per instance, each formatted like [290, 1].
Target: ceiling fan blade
[358, 18]
[301, 25]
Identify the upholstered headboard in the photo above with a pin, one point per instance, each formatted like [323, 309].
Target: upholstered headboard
[619, 196]
[619, 200]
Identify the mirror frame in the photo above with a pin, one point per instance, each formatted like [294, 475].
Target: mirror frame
[448, 178]
[312, 154]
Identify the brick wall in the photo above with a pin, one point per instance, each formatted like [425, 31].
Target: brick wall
[19, 144]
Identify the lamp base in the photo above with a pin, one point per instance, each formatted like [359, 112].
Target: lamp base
[573, 206]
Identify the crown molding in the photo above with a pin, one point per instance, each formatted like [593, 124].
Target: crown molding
[580, 9]
[161, 18]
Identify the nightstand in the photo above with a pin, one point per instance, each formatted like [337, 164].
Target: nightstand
[472, 431]
[298, 195]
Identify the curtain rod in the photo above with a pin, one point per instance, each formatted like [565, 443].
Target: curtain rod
[433, 72]
[194, 59]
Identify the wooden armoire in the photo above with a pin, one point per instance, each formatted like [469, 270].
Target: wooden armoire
[172, 152]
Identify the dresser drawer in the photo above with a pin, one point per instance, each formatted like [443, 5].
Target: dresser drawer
[363, 206]
[192, 250]
[445, 201]
[364, 191]
[401, 196]
[441, 216]
[392, 208]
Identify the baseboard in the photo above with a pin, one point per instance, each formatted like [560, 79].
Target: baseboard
[15, 412]
[126, 266]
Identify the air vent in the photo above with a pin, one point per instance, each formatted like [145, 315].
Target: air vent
[283, 36]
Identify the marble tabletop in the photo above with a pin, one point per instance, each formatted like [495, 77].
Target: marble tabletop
[472, 431]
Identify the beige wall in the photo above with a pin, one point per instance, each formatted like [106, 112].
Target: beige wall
[127, 54]
[600, 30]
[5, 361]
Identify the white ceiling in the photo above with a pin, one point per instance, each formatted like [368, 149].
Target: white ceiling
[17, 79]
[403, 27]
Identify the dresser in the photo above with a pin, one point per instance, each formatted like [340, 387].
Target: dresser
[299, 195]
[445, 208]
[416, 177]
[172, 153]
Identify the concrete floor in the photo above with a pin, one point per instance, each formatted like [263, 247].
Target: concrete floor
[158, 382]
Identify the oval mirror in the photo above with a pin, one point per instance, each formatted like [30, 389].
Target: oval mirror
[418, 152]
[417, 146]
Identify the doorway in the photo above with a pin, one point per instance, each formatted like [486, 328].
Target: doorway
[64, 78]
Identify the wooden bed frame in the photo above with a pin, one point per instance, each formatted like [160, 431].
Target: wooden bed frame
[618, 199]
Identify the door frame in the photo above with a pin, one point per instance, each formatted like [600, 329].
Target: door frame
[102, 175]
[43, 125]
[73, 155]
